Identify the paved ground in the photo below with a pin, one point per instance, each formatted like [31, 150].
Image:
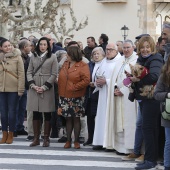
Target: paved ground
[20, 156]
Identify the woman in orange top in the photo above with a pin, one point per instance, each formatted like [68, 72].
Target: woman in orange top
[73, 79]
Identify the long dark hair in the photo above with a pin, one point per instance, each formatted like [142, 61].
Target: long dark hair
[166, 73]
[37, 49]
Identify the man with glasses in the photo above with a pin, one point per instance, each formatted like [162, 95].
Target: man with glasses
[103, 74]
[121, 113]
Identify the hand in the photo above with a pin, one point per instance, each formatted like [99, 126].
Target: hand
[40, 90]
[20, 94]
[117, 92]
[91, 84]
[100, 82]
[35, 88]
[134, 79]
[131, 90]
[128, 74]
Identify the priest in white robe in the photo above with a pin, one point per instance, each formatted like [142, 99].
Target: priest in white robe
[103, 75]
[121, 113]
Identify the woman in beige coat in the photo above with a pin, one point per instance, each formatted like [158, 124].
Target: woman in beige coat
[12, 85]
[41, 92]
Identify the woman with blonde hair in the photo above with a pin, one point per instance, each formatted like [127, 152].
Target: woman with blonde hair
[149, 107]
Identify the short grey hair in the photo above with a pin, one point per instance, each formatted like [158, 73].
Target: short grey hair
[23, 43]
[166, 24]
[59, 53]
[129, 41]
[98, 49]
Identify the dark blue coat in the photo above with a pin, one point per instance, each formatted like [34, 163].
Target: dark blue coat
[91, 98]
[154, 64]
[56, 48]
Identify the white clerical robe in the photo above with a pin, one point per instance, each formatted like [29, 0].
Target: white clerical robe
[106, 68]
[121, 113]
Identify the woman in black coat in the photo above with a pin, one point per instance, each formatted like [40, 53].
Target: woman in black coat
[162, 92]
[149, 106]
[92, 98]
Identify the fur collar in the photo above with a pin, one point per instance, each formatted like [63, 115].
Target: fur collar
[15, 52]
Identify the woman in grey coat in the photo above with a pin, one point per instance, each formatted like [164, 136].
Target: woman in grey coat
[162, 92]
[41, 97]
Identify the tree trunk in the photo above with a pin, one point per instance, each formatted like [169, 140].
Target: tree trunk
[4, 30]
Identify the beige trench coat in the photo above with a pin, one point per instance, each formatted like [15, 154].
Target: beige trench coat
[13, 79]
[47, 73]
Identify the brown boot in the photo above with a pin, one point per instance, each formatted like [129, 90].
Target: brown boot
[36, 127]
[76, 145]
[4, 137]
[10, 138]
[67, 145]
[47, 129]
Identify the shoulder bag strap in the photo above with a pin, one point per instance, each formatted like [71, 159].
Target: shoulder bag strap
[39, 66]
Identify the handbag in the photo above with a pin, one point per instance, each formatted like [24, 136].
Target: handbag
[166, 108]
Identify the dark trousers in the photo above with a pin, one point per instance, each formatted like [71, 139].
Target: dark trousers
[21, 109]
[90, 126]
[150, 110]
[8, 103]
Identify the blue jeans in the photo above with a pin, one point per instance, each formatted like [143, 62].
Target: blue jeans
[8, 103]
[138, 134]
[21, 109]
[167, 148]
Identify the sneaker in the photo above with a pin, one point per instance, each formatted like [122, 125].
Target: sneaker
[63, 139]
[81, 139]
[29, 138]
[140, 159]
[22, 132]
[146, 165]
[130, 157]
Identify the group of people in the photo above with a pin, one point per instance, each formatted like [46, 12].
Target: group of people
[72, 82]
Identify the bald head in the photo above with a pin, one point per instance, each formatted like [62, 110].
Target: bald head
[111, 50]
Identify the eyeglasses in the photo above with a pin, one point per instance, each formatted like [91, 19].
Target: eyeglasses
[110, 49]
[126, 48]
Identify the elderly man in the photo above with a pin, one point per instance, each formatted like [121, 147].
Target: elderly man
[103, 75]
[166, 38]
[121, 113]
[25, 48]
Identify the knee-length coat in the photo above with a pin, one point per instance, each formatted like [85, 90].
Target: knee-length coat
[47, 74]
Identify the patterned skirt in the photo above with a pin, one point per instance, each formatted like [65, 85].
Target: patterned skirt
[69, 107]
